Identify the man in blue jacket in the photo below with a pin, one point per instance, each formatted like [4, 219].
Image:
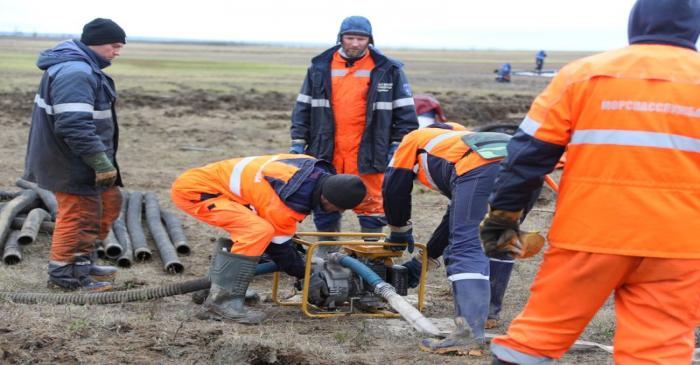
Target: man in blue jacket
[353, 109]
[72, 151]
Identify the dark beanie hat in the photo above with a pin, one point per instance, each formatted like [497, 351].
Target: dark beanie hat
[102, 31]
[344, 191]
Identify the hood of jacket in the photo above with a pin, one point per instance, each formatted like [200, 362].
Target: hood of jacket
[671, 22]
[71, 50]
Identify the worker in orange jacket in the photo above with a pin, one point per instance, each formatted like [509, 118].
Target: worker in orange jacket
[353, 109]
[461, 165]
[259, 200]
[629, 196]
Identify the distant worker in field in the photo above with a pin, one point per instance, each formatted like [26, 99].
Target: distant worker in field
[430, 112]
[462, 166]
[629, 199]
[503, 73]
[72, 151]
[353, 109]
[259, 200]
[539, 60]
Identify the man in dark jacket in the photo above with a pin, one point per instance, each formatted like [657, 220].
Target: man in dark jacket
[353, 109]
[72, 151]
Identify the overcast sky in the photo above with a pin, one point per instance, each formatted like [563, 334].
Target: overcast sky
[453, 24]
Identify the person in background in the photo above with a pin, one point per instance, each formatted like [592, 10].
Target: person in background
[72, 151]
[539, 60]
[353, 109]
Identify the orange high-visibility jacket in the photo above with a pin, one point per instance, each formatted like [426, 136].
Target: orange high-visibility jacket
[631, 184]
[260, 183]
[435, 156]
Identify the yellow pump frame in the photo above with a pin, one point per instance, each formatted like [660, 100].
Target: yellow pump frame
[361, 247]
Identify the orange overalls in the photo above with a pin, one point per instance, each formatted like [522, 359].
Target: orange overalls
[628, 206]
[349, 102]
[237, 196]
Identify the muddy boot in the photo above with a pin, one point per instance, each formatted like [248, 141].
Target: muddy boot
[101, 272]
[221, 244]
[82, 269]
[61, 276]
[499, 277]
[230, 276]
[471, 307]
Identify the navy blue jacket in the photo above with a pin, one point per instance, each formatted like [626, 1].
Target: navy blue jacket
[73, 117]
[391, 113]
[669, 22]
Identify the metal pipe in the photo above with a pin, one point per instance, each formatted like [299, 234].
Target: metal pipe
[406, 310]
[177, 235]
[112, 247]
[120, 230]
[47, 197]
[171, 263]
[133, 223]
[12, 254]
[10, 210]
[31, 225]
[45, 226]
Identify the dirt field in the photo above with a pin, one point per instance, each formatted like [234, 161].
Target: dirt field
[236, 101]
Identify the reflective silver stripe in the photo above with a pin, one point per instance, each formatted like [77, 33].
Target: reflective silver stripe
[509, 355]
[398, 103]
[433, 142]
[73, 107]
[320, 103]
[102, 114]
[42, 104]
[234, 183]
[258, 174]
[338, 73]
[382, 105]
[467, 276]
[281, 239]
[304, 99]
[530, 126]
[636, 138]
[424, 161]
[500, 260]
[363, 73]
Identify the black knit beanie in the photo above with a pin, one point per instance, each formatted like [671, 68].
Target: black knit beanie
[344, 191]
[102, 31]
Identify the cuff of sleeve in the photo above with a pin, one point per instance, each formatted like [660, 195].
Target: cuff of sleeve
[99, 162]
[401, 229]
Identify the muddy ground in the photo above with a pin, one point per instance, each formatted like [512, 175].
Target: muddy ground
[165, 134]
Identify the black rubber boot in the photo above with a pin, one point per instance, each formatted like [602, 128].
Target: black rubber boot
[499, 277]
[471, 307]
[230, 276]
[82, 268]
[61, 277]
[101, 272]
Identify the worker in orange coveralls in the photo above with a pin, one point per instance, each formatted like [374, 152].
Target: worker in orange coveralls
[629, 200]
[259, 200]
[353, 109]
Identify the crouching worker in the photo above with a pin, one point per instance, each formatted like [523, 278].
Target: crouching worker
[462, 166]
[259, 200]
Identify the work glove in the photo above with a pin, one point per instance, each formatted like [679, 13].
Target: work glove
[105, 172]
[401, 235]
[298, 146]
[392, 149]
[500, 234]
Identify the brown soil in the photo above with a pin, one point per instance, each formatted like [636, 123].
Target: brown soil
[157, 136]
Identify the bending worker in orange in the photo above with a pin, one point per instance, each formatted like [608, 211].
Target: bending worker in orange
[629, 198]
[462, 166]
[259, 200]
[353, 109]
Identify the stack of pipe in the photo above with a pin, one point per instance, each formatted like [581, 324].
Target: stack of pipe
[25, 213]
